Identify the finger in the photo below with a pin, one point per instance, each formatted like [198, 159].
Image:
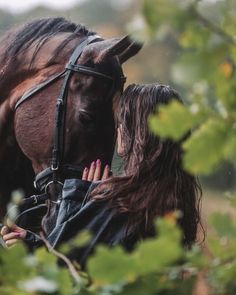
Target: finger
[98, 170]
[4, 230]
[12, 235]
[85, 174]
[15, 228]
[106, 172]
[11, 242]
[91, 171]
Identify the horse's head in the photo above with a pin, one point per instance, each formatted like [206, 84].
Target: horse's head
[89, 124]
[35, 54]
[92, 99]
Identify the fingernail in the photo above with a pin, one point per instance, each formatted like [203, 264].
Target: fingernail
[18, 235]
[107, 166]
[85, 169]
[98, 162]
[93, 163]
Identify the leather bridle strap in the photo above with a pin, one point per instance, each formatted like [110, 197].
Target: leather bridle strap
[38, 88]
[70, 66]
[87, 71]
[66, 170]
[59, 138]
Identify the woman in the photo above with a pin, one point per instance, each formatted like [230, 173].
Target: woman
[122, 209]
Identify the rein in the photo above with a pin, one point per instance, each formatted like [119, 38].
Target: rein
[52, 174]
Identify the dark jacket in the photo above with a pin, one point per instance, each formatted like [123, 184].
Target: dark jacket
[77, 212]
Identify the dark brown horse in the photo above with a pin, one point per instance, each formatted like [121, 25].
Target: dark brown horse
[31, 55]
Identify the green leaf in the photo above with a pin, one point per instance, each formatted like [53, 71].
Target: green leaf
[196, 258]
[148, 285]
[222, 242]
[230, 147]
[175, 120]
[167, 12]
[115, 265]
[111, 266]
[155, 254]
[195, 36]
[204, 149]
[222, 278]
[224, 225]
[81, 240]
[13, 264]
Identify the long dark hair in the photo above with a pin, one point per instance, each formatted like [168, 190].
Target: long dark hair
[154, 183]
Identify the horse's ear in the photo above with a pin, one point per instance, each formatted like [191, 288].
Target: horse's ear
[132, 50]
[124, 48]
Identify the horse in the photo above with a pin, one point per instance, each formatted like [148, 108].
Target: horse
[59, 87]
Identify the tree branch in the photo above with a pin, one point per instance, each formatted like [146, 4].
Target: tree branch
[69, 264]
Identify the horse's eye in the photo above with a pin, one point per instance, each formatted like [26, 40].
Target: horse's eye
[85, 118]
[75, 84]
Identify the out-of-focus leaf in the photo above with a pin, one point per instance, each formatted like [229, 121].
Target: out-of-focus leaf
[175, 120]
[38, 284]
[195, 36]
[81, 240]
[159, 12]
[196, 258]
[150, 285]
[224, 225]
[150, 254]
[203, 150]
[222, 278]
[111, 265]
[230, 147]
[12, 265]
[115, 265]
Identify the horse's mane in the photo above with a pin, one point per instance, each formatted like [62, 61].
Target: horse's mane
[16, 41]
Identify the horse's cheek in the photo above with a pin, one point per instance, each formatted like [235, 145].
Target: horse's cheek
[34, 137]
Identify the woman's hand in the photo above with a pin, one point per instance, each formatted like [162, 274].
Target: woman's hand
[94, 172]
[11, 235]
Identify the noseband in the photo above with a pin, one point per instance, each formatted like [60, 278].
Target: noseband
[57, 167]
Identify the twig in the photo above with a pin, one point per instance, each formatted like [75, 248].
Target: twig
[67, 261]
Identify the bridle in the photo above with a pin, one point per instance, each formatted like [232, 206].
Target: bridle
[53, 173]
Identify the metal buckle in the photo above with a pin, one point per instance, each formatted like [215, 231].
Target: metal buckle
[35, 200]
[54, 168]
[52, 182]
[35, 184]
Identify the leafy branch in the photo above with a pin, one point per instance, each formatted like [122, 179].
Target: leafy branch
[66, 260]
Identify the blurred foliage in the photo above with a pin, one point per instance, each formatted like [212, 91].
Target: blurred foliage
[205, 68]
[158, 265]
[147, 270]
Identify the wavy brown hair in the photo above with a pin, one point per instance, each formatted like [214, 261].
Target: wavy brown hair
[154, 182]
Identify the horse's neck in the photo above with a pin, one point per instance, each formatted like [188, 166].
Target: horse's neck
[6, 116]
